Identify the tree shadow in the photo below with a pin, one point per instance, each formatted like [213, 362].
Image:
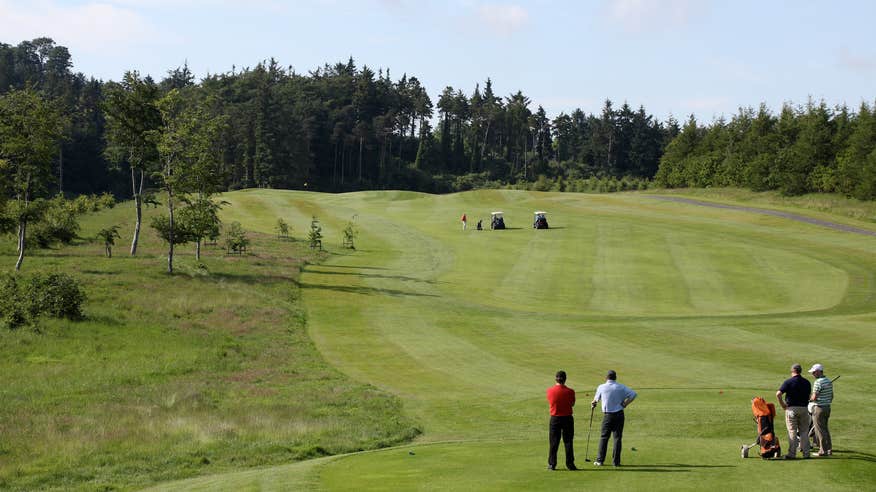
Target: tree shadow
[249, 279]
[359, 267]
[366, 290]
[368, 275]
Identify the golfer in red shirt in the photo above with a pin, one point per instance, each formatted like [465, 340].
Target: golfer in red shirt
[561, 399]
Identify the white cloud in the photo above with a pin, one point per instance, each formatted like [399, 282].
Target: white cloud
[503, 19]
[648, 15]
[92, 27]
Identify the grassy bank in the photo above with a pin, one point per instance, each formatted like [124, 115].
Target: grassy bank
[167, 377]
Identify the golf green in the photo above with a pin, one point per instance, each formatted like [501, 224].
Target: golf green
[698, 309]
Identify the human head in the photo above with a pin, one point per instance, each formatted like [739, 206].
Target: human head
[796, 369]
[611, 375]
[817, 370]
[561, 377]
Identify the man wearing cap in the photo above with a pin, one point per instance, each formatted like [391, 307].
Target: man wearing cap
[796, 390]
[615, 397]
[822, 395]
[561, 399]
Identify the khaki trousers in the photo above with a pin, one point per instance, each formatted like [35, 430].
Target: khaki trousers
[797, 422]
[821, 416]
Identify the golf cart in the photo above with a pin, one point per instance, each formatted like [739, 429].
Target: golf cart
[540, 221]
[497, 221]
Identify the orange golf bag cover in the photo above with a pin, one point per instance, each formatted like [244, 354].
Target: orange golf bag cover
[766, 436]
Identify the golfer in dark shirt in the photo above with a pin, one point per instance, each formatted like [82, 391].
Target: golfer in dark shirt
[561, 399]
[796, 390]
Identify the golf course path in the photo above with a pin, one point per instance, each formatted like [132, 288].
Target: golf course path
[766, 211]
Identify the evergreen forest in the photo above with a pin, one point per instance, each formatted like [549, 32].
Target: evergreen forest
[341, 127]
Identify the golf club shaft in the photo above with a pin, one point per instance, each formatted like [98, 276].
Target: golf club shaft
[589, 428]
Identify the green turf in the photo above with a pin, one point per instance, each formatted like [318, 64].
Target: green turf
[697, 308]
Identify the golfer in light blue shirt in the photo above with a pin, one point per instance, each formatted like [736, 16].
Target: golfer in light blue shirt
[615, 397]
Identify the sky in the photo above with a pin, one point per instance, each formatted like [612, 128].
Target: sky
[674, 57]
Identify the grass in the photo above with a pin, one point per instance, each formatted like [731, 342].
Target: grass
[698, 309]
[170, 377]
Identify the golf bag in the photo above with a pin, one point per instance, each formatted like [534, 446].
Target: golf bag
[766, 436]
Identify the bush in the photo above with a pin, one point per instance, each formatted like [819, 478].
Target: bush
[13, 311]
[56, 295]
[58, 224]
[235, 238]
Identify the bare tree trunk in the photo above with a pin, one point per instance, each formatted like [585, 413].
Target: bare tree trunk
[170, 232]
[109, 251]
[198, 250]
[486, 134]
[22, 229]
[138, 204]
[360, 158]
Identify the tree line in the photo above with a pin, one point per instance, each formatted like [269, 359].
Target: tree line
[337, 128]
[342, 127]
[803, 149]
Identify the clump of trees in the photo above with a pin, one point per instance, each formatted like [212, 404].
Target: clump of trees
[24, 300]
[805, 149]
[236, 240]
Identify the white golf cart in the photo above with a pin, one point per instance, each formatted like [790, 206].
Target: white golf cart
[540, 221]
[497, 220]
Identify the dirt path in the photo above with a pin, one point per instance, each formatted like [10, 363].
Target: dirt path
[776, 213]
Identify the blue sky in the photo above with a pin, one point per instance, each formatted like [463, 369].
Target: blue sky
[672, 56]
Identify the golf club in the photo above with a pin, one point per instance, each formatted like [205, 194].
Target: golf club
[589, 428]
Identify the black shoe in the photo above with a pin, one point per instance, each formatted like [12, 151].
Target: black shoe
[572, 468]
[551, 468]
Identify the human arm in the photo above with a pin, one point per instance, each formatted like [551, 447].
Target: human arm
[596, 397]
[781, 401]
[630, 396]
[815, 389]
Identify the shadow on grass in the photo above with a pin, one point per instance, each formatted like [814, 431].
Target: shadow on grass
[647, 469]
[850, 454]
[250, 279]
[675, 465]
[100, 272]
[359, 267]
[367, 275]
[366, 290]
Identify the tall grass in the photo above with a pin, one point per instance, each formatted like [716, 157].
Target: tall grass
[174, 376]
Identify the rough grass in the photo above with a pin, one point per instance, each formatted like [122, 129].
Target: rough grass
[699, 309]
[169, 377]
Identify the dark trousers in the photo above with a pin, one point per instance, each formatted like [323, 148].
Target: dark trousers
[611, 423]
[561, 427]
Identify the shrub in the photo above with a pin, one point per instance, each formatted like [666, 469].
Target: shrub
[57, 295]
[13, 311]
[235, 238]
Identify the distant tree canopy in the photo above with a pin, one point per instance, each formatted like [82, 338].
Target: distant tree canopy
[343, 127]
[802, 150]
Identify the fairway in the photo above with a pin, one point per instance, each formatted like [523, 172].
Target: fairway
[698, 309]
